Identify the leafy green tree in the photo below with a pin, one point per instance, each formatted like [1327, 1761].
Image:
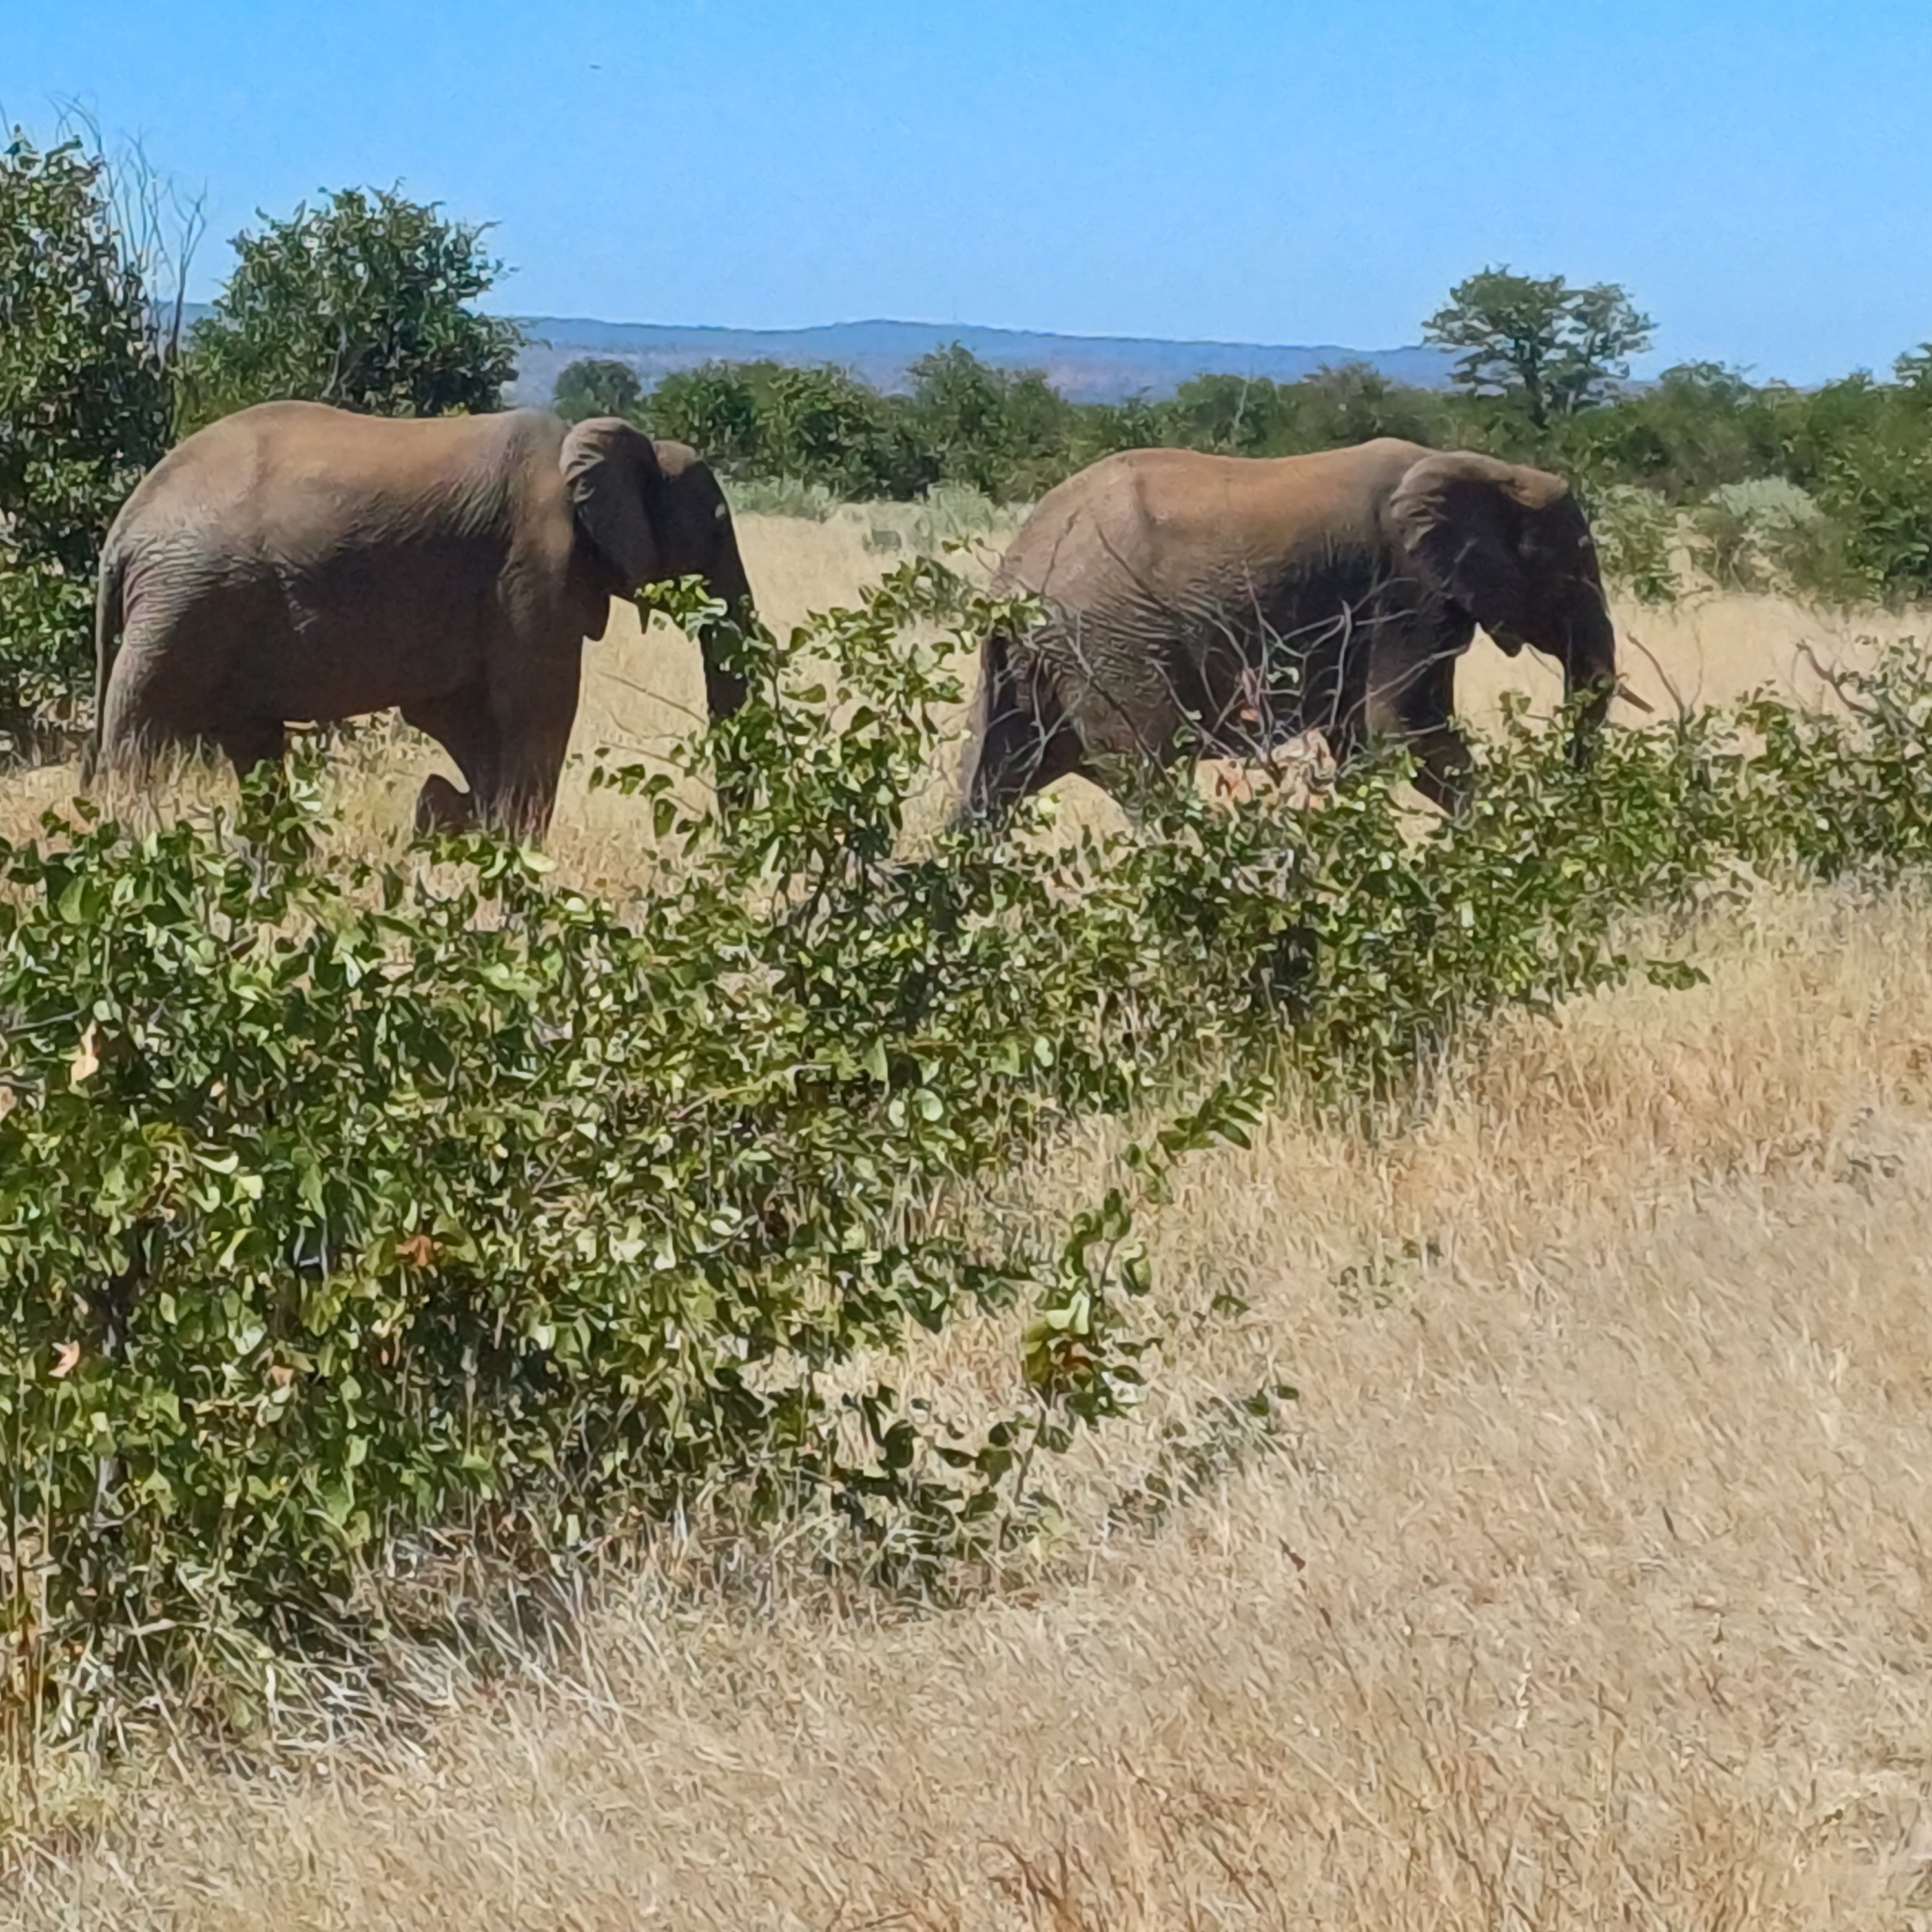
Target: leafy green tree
[1338, 407]
[1877, 488]
[1555, 348]
[1700, 427]
[715, 408]
[1104, 429]
[1006, 433]
[822, 425]
[817, 425]
[85, 409]
[596, 387]
[363, 302]
[1231, 416]
[1812, 427]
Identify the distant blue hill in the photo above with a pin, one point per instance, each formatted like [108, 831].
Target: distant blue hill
[1085, 368]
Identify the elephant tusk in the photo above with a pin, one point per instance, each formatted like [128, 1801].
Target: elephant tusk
[1629, 696]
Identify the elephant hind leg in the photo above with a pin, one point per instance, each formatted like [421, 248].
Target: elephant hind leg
[1019, 755]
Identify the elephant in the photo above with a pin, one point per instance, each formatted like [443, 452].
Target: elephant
[1209, 606]
[295, 562]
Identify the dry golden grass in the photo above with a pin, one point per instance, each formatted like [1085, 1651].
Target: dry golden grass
[1590, 1586]
[1587, 1585]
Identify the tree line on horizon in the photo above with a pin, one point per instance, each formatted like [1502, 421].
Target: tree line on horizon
[367, 299]
[1827, 490]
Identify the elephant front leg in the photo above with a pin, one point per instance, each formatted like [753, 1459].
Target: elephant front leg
[251, 743]
[442, 811]
[1414, 704]
[462, 723]
[1017, 756]
[534, 735]
[1443, 767]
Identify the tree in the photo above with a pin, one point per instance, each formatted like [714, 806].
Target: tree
[1000, 430]
[818, 425]
[822, 425]
[1699, 427]
[715, 408]
[596, 387]
[1913, 371]
[1557, 348]
[364, 303]
[1234, 416]
[85, 409]
[1349, 403]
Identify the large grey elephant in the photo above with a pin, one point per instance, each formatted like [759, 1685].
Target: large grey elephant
[295, 561]
[1210, 605]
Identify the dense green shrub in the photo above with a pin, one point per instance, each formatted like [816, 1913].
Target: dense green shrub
[85, 408]
[333, 1209]
[1637, 533]
[1004, 433]
[363, 302]
[765, 421]
[340, 1209]
[596, 387]
[1876, 488]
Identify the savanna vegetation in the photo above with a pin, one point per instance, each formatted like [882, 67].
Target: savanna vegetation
[1286, 1360]
[1701, 476]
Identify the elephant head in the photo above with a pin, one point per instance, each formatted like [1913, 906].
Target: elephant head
[651, 511]
[1509, 546]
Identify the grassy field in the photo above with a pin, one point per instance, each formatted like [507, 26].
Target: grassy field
[1586, 1584]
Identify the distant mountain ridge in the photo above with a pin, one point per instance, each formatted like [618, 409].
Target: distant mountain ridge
[1085, 368]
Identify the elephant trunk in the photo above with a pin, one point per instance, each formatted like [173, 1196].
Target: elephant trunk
[724, 686]
[1590, 673]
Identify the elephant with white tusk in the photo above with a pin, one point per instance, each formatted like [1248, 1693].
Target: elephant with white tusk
[1211, 606]
[294, 561]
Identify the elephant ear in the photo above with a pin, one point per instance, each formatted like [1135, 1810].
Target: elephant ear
[611, 472]
[1461, 518]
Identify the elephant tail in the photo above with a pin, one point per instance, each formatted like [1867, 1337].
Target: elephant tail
[107, 615]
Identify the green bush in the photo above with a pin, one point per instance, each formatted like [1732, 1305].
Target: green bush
[1876, 489]
[1746, 536]
[765, 422]
[335, 1210]
[1003, 434]
[339, 1210]
[363, 302]
[594, 387]
[85, 408]
[1637, 532]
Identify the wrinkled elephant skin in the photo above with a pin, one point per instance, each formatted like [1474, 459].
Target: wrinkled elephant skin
[1201, 606]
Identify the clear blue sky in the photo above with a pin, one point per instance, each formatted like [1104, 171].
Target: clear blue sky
[1759, 173]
